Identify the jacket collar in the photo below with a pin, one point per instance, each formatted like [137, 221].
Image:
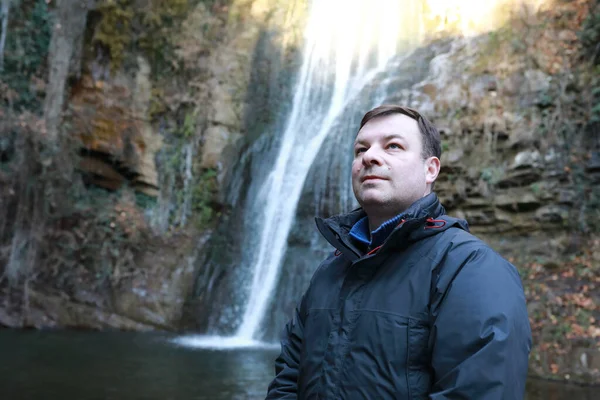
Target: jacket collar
[337, 229]
[361, 232]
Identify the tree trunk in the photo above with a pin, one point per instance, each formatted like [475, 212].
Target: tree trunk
[3, 29]
[69, 26]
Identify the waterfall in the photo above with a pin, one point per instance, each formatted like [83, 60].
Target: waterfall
[189, 151]
[351, 47]
[346, 44]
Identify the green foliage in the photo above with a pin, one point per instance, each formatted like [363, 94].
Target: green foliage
[497, 43]
[114, 30]
[106, 231]
[590, 39]
[190, 189]
[545, 100]
[595, 117]
[189, 125]
[595, 97]
[203, 196]
[492, 174]
[146, 26]
[27, 43]
[445, 146]
[590, 33]
[144, 201]
[157, 19]
[158, 105]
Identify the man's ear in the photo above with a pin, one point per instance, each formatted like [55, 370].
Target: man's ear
[432, 169]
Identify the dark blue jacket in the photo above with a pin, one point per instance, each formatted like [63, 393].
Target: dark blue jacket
[434, 313]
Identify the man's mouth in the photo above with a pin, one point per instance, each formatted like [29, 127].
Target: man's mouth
[372, 178]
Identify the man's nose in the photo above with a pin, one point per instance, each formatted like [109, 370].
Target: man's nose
[372, 157]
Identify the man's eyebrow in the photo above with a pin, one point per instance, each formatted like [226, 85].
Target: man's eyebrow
[385, 138]
[394, 136]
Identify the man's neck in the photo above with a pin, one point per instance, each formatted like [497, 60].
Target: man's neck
[377, 219]
[376, 222]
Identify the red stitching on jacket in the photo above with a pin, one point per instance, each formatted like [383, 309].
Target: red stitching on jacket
[374, 250]
[433, 222]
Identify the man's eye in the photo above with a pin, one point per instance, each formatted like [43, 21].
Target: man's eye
[359, 150]
[394, 146]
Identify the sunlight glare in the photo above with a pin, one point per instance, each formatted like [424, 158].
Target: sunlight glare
[469, 17]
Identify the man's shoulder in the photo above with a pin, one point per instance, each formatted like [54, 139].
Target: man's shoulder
[334, 261]
[460, 248]
[462, 241]
[469, 261]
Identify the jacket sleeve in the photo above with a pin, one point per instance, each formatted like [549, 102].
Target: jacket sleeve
[285, 384]
[481, 333]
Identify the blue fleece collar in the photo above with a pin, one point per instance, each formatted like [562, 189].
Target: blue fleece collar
[360, 231]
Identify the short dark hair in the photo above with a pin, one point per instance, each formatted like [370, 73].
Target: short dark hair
[431, 136]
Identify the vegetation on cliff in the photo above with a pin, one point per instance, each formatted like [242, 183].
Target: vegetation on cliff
[60, 232]
[557, 52]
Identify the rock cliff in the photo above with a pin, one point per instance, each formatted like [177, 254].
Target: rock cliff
[182, 110]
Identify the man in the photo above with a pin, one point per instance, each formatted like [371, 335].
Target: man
[411, 305]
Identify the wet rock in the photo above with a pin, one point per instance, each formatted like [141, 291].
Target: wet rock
[544, 190]
[110, 118]
[101, 173]
[519, 177]
[527, 159]
[586, 362]
[476, 217]
[477, 202]
[567, 35]
[483, 85]
[430, 90]
[537, 81]
[146, 180]
[550, 156]
[8, 320]
[594, 178]
[512, 85]
[452, 156]
[593, 165]
[222, 101]
[49, 311]
[522, 134]
[216, 139]
[84, 296]
[517, 202]
[567, 197]
[497, 125]
[552, 214]
[157, 296]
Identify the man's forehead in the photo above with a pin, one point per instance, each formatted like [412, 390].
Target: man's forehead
[389, 126]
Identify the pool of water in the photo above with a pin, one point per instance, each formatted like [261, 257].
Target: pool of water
[100, 365]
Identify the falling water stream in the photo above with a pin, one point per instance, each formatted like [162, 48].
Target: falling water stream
[339, 59]
[347, 43]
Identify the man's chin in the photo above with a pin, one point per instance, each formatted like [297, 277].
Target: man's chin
[372, 201]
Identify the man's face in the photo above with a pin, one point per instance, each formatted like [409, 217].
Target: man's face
[388, 171]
